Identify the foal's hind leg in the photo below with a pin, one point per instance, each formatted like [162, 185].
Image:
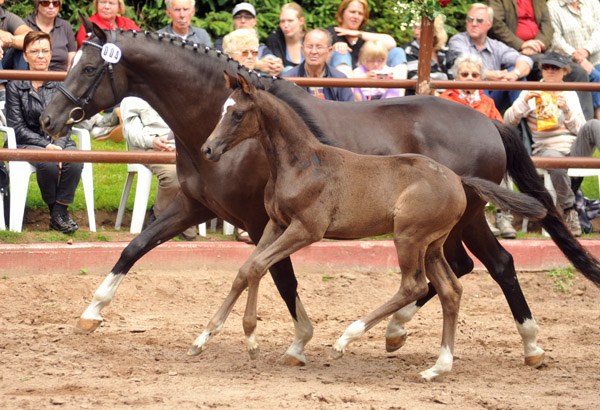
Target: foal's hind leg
[450, 291]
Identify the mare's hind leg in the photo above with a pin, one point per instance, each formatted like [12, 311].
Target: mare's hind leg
[500, 265]
[450, 291]
[461, 264]
[174, 220]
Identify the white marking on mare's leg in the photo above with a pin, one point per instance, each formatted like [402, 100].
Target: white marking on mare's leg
[395, 334]
[352, 333]
[199, 344]
[103, 296]
[442, 365]
[534, 355]
[294, 355]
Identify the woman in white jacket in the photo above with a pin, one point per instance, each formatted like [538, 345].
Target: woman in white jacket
[558, 128]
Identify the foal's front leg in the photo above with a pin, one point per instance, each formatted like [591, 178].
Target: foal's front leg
[295, 237]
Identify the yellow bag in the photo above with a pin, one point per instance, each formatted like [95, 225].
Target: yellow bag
[546, 111]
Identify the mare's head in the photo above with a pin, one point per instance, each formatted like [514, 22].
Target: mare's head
[239, 119]
[92, 83]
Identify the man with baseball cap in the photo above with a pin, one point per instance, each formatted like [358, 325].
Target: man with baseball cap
[244, 16]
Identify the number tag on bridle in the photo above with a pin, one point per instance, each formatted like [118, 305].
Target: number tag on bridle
[111, 53]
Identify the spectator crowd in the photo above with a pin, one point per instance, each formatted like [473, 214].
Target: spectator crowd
[504, 40]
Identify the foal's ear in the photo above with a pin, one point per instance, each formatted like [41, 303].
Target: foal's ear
[230, 81]
[247, 86]
[91, 28]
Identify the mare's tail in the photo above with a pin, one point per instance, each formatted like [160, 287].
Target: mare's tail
[506, 199]
[521, 169]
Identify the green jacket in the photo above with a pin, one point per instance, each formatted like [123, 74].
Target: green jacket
[506, 21]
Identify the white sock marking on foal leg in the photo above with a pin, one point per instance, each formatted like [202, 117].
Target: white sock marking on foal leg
[304, 332]
[528, 331]
[442, 365]
[395, 327]
[103, 296]
[352, 333]
[204, 337]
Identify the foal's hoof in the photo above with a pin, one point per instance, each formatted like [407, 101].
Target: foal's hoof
[194, 350]
[253, 352]
[535, 361]
[291, 361]
[86, 326]
[335, 354]
[394, 343]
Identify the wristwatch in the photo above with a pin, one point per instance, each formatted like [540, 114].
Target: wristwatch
[518, 73]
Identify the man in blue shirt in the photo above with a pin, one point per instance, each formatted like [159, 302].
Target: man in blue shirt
[317, 49]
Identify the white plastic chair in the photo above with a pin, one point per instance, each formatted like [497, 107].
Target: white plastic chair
[20, 172]
[140, 204]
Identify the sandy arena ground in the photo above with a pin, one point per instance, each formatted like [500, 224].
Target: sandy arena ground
[137, 359]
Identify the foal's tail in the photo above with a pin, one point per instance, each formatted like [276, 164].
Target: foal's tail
[521, 169]
[506, 199]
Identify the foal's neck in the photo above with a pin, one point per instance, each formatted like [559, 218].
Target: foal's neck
[286, 139]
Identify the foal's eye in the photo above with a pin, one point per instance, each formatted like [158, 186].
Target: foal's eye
[238, 115]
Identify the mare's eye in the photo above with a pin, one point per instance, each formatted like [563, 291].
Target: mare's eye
[238, 115]
[89, 69]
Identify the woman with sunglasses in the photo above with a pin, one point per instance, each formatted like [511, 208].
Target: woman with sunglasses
[45, 18]
[107, 17]
[558, 129]
[242, 46]
[26, 99]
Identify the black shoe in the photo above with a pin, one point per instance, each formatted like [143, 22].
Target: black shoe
[72, 222]
[61, 223]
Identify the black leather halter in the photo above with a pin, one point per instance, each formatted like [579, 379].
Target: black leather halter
[81, 102]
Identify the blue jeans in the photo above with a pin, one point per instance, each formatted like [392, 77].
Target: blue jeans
[395, 56]
[504, 99]
[595, 78]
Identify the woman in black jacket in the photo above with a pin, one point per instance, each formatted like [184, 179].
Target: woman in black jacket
[25, 101]
[286, 41]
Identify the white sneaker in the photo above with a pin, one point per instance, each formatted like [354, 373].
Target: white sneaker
[504, 224]
[494, 230]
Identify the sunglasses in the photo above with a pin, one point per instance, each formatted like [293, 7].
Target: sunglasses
[479, 20]
[55, 3]
[247, 53]
[466, 74]
[240, 16]
[550, 67]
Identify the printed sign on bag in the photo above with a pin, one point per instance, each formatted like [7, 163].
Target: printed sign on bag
[111, 53]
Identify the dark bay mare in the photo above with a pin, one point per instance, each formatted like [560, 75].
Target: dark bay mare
[316, 191]
[185, 84]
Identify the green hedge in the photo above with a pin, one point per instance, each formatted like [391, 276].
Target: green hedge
[215, 15]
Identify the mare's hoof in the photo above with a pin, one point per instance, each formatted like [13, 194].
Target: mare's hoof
[535, 361]
[335, 354]
[291, 361]
[86, 326]
[394, 343]
[194, 350]
[253, 353]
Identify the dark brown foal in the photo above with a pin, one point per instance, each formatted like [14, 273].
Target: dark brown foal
[317, 191]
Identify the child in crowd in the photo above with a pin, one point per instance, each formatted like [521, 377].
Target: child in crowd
[372, 64]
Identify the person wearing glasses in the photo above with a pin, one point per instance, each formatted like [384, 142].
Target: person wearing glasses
[244, 17]
[317, 49]
[12, 33]
[558, 129]
[503, 63]
[181, 13]
[45, 18]
[469, 67]
[26, 99]
[109, 16]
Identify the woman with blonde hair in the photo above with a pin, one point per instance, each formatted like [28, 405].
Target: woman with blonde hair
[242, 46]
[286, 41]
[439, 64]
[109, 16]
[349, 37]
[372, 58]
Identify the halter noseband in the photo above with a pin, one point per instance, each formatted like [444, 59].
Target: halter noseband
[81, 102]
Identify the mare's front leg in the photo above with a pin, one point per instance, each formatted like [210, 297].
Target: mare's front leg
[175, 219]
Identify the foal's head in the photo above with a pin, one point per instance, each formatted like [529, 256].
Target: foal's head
[239, 119]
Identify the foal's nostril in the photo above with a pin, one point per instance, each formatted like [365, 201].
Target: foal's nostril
[207, 152]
